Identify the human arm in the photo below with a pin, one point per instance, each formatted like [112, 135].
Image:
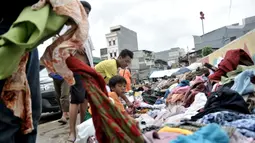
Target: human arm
[129, 104]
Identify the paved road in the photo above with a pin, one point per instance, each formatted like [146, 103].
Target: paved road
[50, 131]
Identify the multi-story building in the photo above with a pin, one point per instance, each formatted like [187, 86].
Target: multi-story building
[162, 55]
[142, 63]
[118, 39]
[224, 35]
[175, 54]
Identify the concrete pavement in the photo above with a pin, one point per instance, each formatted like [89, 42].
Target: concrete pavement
[52, 132]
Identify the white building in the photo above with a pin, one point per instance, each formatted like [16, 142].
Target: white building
[174, 54]
[118, 39]
[142, 63]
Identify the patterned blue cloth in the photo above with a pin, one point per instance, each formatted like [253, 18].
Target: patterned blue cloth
[211, 133]
[245, 123]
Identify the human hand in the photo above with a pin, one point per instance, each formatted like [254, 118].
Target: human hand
[130, 105]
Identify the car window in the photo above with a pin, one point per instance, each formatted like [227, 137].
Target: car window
[44, 73]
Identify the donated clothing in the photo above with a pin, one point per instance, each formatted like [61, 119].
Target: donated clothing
[243, 84]
[88, 46]
[175, 130]
[117, 101]
[205, 135]
[245, 123]
[107, 69]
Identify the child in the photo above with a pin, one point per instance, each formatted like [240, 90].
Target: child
[117, 85]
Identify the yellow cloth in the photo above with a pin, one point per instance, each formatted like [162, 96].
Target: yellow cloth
[175, 130]
[107, 69]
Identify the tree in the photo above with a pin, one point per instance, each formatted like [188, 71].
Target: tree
[206, 51]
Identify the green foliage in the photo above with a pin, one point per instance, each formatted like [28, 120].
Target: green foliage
[206, 51]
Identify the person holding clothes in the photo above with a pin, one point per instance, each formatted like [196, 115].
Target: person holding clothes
[78, 93]
[126, 73]
[117, 85]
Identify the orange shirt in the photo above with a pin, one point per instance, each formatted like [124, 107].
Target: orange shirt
[117, 101]
[127, 75]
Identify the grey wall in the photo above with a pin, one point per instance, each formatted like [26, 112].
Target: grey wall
[222, 36]
[163, 55]
[127, 39]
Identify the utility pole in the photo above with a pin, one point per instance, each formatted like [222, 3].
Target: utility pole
[202, 17]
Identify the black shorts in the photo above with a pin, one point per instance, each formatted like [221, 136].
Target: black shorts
[78, 93]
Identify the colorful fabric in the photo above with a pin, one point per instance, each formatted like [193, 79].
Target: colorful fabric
[112, 125]
[56, 76]
[232, 59]
[243, 84]
[244, 123]
[205, 135]
[26, 33]
[154, 137]
[107, 69]
[68, 44]
[175, 130]
[16, 96]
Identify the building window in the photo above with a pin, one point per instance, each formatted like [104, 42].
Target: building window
[141, 59]
[110, 55]
[113, 42]
[115, 54]
[232, 38]
[110, 43]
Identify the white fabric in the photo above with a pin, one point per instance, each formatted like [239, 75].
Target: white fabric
[194, 66]
[84, 131]
[108, 88]
[145, 105]
[149, 121]
[89, 47]
[218, 61]
[199, 103]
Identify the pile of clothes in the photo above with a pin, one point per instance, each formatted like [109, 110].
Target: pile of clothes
[200, 102]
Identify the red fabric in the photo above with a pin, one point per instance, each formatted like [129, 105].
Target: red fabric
[232, 59]
[79, 67]
[111, 125]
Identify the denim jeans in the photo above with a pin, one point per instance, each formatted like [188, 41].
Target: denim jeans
[9, 124]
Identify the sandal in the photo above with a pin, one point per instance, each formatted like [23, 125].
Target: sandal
[63, 121]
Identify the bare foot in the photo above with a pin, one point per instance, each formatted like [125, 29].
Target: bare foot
[62, 120]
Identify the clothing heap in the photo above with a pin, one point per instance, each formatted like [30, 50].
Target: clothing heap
[189, 110]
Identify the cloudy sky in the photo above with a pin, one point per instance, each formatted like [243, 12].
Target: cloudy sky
[163, 24]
